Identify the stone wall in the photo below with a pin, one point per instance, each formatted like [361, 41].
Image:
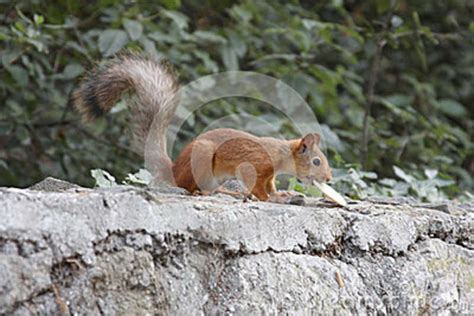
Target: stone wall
[141, 251]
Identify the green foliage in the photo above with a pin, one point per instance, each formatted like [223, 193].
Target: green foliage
[426, 185]
[418, 54]
[104, 179]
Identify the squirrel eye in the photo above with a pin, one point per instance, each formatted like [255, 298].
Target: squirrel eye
[316, 161]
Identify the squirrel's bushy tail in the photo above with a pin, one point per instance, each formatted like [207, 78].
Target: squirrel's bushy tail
[152, 85]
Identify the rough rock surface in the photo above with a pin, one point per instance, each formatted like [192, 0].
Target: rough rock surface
[140, 251]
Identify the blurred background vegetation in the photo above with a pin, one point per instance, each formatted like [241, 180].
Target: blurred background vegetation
[391, 82]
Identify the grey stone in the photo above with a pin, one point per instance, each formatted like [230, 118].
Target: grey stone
[50, 184]
[126, 250]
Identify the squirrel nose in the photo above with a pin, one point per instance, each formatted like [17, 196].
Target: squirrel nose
[328, 178]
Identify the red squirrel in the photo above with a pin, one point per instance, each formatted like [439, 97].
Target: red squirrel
[213, 157]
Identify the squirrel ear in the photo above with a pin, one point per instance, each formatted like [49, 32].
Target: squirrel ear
[303, 149]
[317, 138]
[306, 142]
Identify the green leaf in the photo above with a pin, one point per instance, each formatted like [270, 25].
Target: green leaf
[39, 19]
[102, 178]
[402, 175]
[206, 59]
[401, 100]
[229, 58]
[451, 107]
[309, 24]
[388, 182]
[240, 14]
[111, 41]
[133, 28]
[293, 185]
[368, 175]
[237, 43]
[337, 3]
[310, 190]
[20, 26]
[19, 74]
[161, 37]
[431, 173]
[23, 135]
[210, 37]
[331, 139]
[142, 177]
[149, 46]
[172, 4]
[178, 18]
[73, 70]
[443, 183]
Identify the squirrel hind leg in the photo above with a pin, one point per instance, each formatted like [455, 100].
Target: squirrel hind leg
[257, 186]
[260, 192]
[202, 165]
[193, 169]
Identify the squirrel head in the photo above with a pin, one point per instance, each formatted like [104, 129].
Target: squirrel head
[310, 162]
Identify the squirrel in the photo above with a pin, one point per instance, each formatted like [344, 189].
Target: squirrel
[214, 156]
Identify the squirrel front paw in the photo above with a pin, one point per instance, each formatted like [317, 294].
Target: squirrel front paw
[285, 197]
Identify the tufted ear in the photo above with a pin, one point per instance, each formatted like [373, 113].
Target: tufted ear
[308, 141]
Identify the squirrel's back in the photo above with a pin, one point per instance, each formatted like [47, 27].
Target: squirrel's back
[151, 83]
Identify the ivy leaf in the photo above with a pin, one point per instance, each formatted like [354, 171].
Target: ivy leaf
[161, 37]
[71, 71]
[20, 26]
[431, 173]
[142, 177]
[111, 41]
[133, 28]
[443, 183]
[19, 74]
[368, 175]
[331, 138]
[39, 19]
[388, 182]
[172, 4]
[210, 37]
[450, 107]
[102, 178]
[178, 18]
[229, 58]
[240, 14]
[237, 43]
[206, 59]
[402, 175]
[309, 24]
[149, 46]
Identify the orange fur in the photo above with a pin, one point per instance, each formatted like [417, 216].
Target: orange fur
[216, 156]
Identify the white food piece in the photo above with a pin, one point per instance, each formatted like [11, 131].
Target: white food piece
[330, 193]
